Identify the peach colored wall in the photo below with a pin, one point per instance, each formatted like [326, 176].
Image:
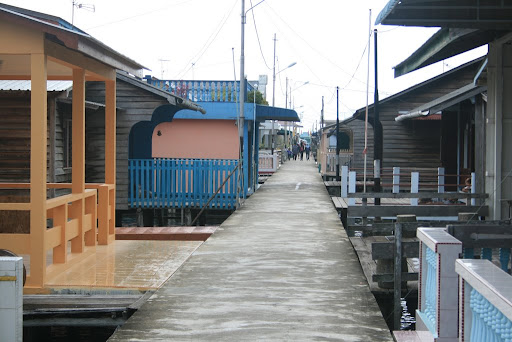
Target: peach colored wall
[206, 139]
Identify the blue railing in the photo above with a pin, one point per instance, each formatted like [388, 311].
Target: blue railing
[182, 183]
[202, 91]
[430, 311]
[488, 323]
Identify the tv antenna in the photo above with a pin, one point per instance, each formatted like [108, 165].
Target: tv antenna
[162, 70]
[88, 7]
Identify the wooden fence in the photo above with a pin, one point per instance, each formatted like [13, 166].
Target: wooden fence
[181, 183]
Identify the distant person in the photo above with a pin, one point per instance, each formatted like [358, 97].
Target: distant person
[308, 150]
[302, 150]
[295, 151]
[288, 153]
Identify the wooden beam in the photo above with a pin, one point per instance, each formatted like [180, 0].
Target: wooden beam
[78, 132]
[72, 59]
[419, 210]
[384, 250]
[38, 141]
[444, 195]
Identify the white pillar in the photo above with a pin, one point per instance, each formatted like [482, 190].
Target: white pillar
[344, 181]
[473, 187]
[440, 180]
[11, 299]
[396, 180]
[352, 187]
[415, 185]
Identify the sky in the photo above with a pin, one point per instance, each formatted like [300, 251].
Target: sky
[201, 40]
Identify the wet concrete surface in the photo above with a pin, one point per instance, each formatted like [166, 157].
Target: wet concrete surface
[280, 268]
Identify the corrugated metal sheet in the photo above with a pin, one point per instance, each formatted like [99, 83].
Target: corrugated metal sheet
[25, 85]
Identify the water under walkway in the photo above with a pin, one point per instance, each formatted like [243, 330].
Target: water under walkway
[280, 268]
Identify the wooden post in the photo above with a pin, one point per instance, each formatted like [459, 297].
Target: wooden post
[396, 180]
[397, 293]
[415, 184]
[469, 253]
[78, 150]
[38, 141]
[110, 150]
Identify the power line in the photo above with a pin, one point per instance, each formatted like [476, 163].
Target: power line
[208, 43]
[258, 36]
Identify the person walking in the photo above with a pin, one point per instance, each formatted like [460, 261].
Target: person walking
[302, 150]
[308, 150]
[295, 151]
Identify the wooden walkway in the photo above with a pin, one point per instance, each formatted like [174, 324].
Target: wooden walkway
[280, 268]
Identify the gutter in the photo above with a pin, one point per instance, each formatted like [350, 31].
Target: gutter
[412, 115]
[187, 104]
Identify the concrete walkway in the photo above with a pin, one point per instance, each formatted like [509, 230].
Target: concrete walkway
[281, 268]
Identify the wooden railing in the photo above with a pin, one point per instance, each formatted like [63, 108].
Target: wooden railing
[84, 219]
[181, 183]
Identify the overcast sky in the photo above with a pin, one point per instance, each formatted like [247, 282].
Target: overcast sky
[195, 39]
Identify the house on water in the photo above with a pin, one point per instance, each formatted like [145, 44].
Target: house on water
[63, 222]
[427, 126]
[483, 25]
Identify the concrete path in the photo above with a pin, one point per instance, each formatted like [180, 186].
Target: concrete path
[281, 268]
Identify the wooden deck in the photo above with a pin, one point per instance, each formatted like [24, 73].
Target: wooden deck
[281, 268]
[183, 233]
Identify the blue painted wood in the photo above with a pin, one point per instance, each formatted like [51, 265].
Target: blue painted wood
[487, 253]
[469, 253]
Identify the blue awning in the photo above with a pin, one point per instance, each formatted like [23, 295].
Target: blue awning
[275, 113]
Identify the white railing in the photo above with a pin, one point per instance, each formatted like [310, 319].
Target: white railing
[485, 301]
[437, 299]
[267, 163]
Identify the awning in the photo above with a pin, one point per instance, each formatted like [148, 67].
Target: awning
[275, 113]
[443, 102]
[445, 43]
[448, 13]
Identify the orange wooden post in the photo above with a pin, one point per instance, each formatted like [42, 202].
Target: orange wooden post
[38, 103]
[60, 217]
[78, 150]
[91, 215]
[110, 150]
[103, 214]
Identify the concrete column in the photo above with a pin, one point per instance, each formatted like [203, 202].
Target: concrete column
[11, 299]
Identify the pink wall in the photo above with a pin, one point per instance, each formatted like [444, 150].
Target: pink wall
[206, 139]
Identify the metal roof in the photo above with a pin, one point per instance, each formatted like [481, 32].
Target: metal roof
[23, 85]
[483, 14]
[443, 102]
[445, 43]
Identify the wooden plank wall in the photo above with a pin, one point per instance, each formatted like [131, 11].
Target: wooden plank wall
[133, 105]
[410, 143]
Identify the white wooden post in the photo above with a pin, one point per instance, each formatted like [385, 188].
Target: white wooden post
[415, 185]
[11, 299]
[440, 180]
[352, 187]
[396, 180]
[473, 187]
[344, 181]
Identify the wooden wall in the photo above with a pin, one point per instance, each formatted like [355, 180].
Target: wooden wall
[133, 105]
[409, 143]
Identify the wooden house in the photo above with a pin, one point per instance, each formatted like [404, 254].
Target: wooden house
[469, 31]
[36, 47]
[427, 126]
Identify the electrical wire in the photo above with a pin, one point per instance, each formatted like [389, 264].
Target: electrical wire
[258, 37]
[208, 43]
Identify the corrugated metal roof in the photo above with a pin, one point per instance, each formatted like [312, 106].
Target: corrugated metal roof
[24, 85]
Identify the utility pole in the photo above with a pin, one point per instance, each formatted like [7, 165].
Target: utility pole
[377, 131]
[337, 135]
[273, 94]
[322, 115]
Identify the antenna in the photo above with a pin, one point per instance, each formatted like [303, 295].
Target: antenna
[162, 70]
[87, 7]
